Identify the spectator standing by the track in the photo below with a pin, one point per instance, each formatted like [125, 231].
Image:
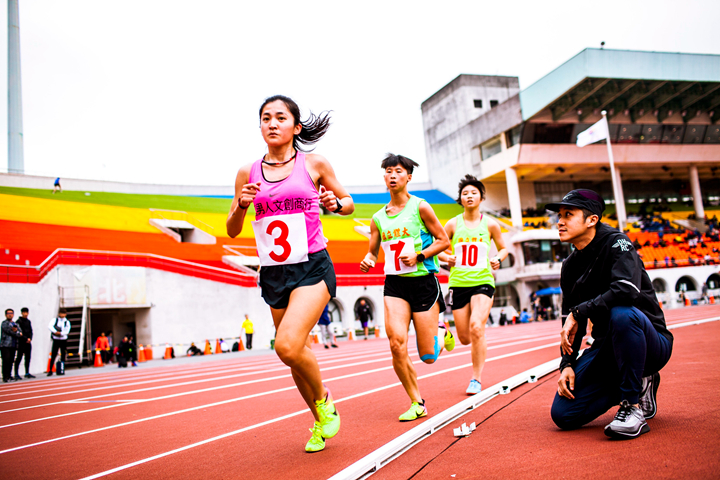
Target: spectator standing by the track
[249, 329]
[9, 337]
[328, 338]
[59, 330]
[56, 186]
[363, 312]
[133, 351]
[111, 347]
[472, 285]
[24, 344]
[503, 318]
[297, 278]
[603, 279]
[102, 344]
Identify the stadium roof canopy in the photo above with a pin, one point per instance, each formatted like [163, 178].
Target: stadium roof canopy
[627, 83]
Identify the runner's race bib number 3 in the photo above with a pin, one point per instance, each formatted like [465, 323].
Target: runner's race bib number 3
[471, 255]
[281, 239]
[394, 249]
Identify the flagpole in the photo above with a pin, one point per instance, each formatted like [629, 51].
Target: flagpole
[619, 199]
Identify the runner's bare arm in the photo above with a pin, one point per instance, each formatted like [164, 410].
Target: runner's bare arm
[447, 256]
[427, 214]
[328, 185]
[496, 235]
[369, 261]
[244, 194]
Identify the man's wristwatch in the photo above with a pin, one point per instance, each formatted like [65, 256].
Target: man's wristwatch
[420, 257]
[339, 206]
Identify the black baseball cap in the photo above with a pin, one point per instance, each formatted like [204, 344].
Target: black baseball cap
[580, 198]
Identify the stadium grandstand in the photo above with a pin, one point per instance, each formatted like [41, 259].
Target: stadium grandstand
[663, 111]
[155, 261]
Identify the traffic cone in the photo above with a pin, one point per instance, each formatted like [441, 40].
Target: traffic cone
[148, 352]
[241, 346]
[168, 352]
[661, 305]
[316, 339]
[50, 366]
[208, 348]
[687, 302]
[351, 335]
[217, 346]
[98, 359]
[377, 331]
[141, 354]
[712, 300]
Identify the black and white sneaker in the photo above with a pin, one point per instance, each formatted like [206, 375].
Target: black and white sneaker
[648, 395]
[629, 423]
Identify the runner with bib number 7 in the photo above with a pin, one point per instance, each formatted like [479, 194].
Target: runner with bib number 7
[471, 285]
[297, 277]
[411, 235]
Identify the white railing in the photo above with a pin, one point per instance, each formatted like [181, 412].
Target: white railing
[83, 323]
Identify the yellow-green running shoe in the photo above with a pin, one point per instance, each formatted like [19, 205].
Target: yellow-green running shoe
[316, 442]
[329, 417]
[449, 340]
[417, 410]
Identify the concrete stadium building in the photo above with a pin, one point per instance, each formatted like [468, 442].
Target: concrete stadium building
[664, 120]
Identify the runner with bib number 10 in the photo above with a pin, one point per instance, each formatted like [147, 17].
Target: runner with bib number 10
[297, 277]
[411, 235]
[472, 285]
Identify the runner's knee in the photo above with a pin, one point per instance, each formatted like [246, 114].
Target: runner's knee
[398, 347]
[288, 354]
[477, 331]
[464, 337]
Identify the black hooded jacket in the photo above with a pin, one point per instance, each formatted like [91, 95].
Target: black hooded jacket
[606, 273]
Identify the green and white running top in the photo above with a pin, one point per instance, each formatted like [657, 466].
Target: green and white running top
[471, 246]
[405, 233]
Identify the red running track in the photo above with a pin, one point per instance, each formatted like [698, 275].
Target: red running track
[244, 418]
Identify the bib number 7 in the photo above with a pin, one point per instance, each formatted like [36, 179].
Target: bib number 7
[394, 249]
[281, 239]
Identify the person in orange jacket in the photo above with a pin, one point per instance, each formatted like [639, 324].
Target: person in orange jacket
[103, 345]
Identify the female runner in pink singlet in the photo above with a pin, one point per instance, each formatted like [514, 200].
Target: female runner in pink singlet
[297, 277]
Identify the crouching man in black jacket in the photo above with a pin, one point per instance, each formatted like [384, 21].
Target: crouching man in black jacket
[604, 280]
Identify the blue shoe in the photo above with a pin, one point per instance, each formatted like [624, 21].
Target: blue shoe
[474, 387]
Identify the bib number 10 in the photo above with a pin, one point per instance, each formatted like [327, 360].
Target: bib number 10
[471, 255]
[281, 240]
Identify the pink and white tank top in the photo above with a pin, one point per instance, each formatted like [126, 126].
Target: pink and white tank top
[287, 216]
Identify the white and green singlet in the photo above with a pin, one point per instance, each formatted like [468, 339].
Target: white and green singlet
[405, 233]
[471, 247]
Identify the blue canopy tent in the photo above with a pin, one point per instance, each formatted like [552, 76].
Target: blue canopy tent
[548, 291]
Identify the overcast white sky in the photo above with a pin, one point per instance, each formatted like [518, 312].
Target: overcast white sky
[167, 91]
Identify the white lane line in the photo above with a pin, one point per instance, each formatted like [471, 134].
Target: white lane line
[145, 381]
[342, 377]
[290, 415]
[447, 355]
[158, 372]
[220, 387]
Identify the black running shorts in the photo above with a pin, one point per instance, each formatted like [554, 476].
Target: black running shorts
[278, 281]
[420, 292]
[458, 297]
